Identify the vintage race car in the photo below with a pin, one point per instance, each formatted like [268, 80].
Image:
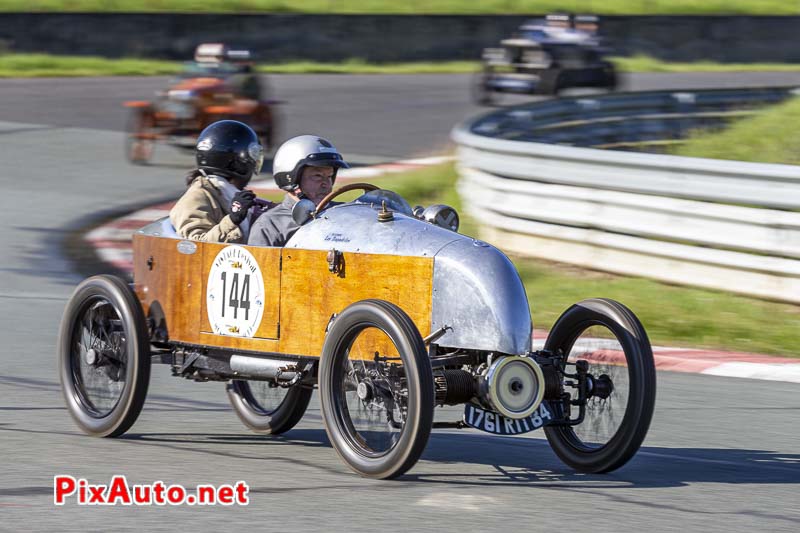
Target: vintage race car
[388, 311]
[545, 58]
[218, 85]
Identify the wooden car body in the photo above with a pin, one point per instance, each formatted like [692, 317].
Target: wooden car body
[447, 282]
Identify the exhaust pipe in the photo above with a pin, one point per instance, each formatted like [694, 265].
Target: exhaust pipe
[262, 368]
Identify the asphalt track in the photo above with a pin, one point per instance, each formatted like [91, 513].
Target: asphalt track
[721, 454]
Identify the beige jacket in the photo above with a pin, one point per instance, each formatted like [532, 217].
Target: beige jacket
[201, 214]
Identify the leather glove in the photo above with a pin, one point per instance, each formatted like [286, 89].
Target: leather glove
[242, 201]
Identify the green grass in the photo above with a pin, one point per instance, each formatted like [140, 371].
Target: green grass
[770, 136]
[643, 63]
[358, 66]
[627, 7]
[44, 65]
[672, 315]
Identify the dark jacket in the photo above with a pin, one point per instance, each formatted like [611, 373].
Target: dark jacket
[274, 227]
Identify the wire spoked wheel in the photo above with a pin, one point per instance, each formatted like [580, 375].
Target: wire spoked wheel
[265, 407]
[376, 389]
[104, 356]
[607, 339]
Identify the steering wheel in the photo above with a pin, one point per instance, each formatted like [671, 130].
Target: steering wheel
[344, 188]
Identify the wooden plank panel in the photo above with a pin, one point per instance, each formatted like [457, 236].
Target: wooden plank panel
[370, 343]
[311, 294]
[172, 288]
[299, 301]
[268, 260]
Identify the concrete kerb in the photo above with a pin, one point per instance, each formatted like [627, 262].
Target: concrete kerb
[111, 242]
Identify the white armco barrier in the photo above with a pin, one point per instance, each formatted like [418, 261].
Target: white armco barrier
[709, 223]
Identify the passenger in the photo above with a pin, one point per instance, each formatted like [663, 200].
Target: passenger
[216, 205]
[304, 167]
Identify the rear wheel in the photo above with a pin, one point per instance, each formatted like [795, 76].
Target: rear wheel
[104, 356]
[550, 81]
[139, 137]
[267, 408]
[610, 80]
[376, 389]
[608, 336]
[482, 93]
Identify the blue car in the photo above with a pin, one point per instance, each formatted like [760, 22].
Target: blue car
[545, 57]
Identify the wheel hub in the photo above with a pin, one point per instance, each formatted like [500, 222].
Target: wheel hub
[514, 386]
[91, 357]
[602, 387]
[365, 391]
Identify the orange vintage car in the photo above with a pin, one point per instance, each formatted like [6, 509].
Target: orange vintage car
[387, 311]
[218, 85]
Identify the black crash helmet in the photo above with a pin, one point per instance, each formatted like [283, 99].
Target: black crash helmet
[230, 149]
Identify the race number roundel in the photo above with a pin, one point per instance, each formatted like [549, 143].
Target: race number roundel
[235, 293]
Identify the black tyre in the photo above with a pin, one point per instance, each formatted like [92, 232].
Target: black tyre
[267, 408]
[482, 94]
[378, 410]
[104, 356]
[610, 337]
[612, 82]
[551, 81]
[139, 143]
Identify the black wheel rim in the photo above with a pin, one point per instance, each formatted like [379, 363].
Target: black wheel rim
[370, 399]
[598, 345]
[262, 397]
[99, 357]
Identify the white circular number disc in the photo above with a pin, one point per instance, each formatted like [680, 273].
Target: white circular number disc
[235, 293]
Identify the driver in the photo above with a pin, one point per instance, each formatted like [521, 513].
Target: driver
[216, 207]
[304, 167]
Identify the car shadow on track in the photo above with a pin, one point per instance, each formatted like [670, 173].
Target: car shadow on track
[531, 461]
[525, 461]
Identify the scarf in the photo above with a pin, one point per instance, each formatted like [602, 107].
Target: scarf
[228, 192]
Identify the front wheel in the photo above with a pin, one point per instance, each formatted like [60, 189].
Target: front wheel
[376, 389]
[104, 356]
[608, 337]
[267, 408]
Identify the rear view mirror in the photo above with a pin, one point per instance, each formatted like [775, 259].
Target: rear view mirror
[302, 211]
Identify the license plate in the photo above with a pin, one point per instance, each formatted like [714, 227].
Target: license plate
[497, 424]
